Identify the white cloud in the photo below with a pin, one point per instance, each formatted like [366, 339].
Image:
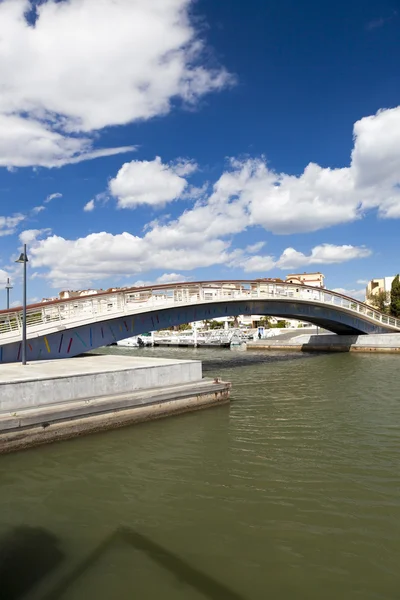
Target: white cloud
[184, 166]
[27, 142]
[358, 294]
[99, 256]
[59, 77]
[171, 278]
[101, 198]
[51, 197]
[362, 281]
[148, 182]
[163, 279]
[8, 225]
[257, 264]
[255, 247]
[89, 206]
[37, 209]
[249, 193]
[292, 259]
[323, 254]
[193, 192]
[30, 235]
[3, 277]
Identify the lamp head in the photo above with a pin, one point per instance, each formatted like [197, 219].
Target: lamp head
[22, 258]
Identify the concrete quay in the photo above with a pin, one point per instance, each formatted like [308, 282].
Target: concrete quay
[53, 400]
[330, 342]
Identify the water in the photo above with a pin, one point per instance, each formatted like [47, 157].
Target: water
[292, 491]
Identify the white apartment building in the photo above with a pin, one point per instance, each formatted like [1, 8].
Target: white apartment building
[311, 279]
[375, 286]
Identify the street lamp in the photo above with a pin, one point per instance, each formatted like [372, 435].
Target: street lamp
[8, 288]
[23, 259]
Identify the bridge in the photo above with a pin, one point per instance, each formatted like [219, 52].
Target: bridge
[66, 328]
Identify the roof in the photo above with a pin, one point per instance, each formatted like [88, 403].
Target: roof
[302, 274]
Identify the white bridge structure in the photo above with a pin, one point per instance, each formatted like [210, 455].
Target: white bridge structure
[65, 328]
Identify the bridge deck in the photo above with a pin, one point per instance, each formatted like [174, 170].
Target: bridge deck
[106, 317]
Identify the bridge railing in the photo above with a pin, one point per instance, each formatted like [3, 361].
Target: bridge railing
[73, 311]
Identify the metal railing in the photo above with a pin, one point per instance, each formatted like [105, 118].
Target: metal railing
[71, 312]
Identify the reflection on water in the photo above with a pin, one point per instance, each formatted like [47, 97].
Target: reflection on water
[186, 576]
[290, 492]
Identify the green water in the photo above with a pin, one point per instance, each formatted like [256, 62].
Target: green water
[291, 492]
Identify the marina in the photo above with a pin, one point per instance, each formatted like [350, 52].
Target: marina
[192, 338]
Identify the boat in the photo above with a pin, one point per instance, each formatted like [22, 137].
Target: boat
[136, 341]
[217, 338]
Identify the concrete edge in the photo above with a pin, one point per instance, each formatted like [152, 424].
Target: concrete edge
[325, 348]
[71, 410]
[34, 435]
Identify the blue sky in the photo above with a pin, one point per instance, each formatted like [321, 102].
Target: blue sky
[198, 140]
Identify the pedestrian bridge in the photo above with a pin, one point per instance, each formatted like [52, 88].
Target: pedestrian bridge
[65, 328]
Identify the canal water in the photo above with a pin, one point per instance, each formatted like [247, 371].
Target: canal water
[291, 492]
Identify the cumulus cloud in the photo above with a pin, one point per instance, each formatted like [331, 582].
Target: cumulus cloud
[290, 259]
[324, 254]
[8, 225]
[71, 83]
[249, 193]
[30, 235]
[149, 182]
[99, 256]
[171, 278]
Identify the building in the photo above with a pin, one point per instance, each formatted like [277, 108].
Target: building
[311, 279]
[377, 286]
[77, 294]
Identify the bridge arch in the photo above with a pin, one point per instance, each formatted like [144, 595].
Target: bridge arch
[66, 328]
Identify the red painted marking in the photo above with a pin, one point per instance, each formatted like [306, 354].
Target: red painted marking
[69, 345]
[30, 347]
[19, 352]
[126, 326]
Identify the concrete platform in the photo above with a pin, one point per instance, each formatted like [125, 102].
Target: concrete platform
[49, 401]
[48, 382]
[380, 343]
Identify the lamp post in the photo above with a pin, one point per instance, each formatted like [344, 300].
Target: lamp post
[8, 288]
[23, 259]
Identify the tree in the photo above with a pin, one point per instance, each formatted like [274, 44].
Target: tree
[395, 298]
[380, 300]
[265, 321]
[216, 324]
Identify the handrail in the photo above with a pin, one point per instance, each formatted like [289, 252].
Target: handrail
[73, 311]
